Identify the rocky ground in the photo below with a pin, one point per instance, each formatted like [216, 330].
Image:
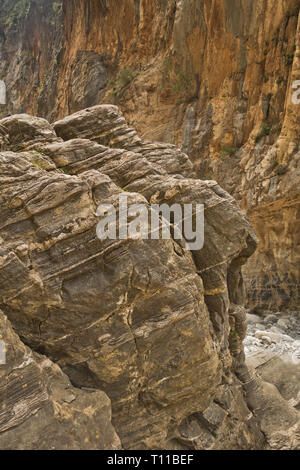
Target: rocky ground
[272, 348]
[274, 335]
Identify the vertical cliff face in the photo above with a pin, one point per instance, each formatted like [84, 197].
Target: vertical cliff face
[164, 338]
[215, 77]
[31, 45]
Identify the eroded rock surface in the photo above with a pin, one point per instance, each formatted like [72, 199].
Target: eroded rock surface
[272, 349]
[158, 328]
[215, 78]
[40, 409]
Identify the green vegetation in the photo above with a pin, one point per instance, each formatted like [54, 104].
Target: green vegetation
[57, 7]
[38, 161]
[41, 86]
[229, 151]
[289, 57]
[122, 81]
[174, 79]
[125, 77]
[279, 81]
[181, 83]
[13, 12]
[278, 168]
[274, 163]
[265, 130]
[234, 334]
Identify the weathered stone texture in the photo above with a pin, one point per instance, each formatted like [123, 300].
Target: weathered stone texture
[40, 409]
[214, 77]
[146, 321]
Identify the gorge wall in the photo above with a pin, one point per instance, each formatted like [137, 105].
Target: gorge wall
[142, 324]
[156, 327]
[145, 328]
[212, 76]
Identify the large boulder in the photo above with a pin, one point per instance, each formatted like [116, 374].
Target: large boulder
[157, 327]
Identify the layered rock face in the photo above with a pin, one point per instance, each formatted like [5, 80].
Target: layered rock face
[41, 410]
[215, 77]
[31, 47]
[156, 327]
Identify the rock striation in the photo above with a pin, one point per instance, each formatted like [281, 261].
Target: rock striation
[157, 328]
[41, 410]
[214, 77]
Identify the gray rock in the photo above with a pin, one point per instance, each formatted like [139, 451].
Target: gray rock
[253, 318]
[283, 323]
[271, 319]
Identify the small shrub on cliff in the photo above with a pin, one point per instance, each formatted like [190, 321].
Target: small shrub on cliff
[180, 84]
[274, 163]
[234, 334]
[57, 6]
[123, 79]
[229, 151]
[13, 13]
[174, 79]
[265, 130]
[279, 81]
[289, 58]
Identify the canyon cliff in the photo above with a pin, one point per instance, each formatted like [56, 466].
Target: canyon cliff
[146, 323]
[214, 77]
[166, 102]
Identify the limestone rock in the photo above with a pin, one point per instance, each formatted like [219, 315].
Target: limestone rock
[273, 357]
[280, 421]
[40, 409]
[229, 107]
[137, 174]
[146, 321]
[106, 125]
